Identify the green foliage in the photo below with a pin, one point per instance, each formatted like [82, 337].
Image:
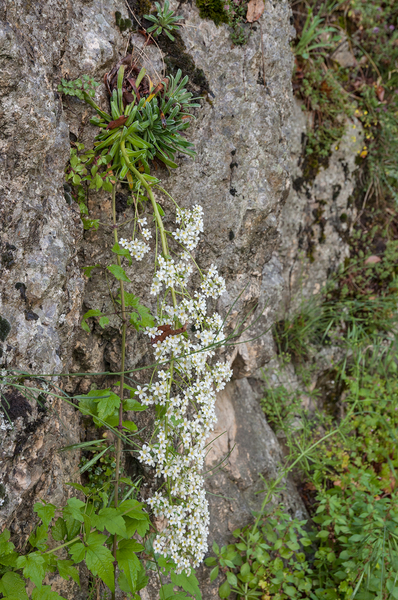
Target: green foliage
[123, 24]
[78, 87]
[269, 562]
[86, 531]
[164, 22]
[310, 34]
[103, 406]
[366, 88]
[149, 129]
[214, 10]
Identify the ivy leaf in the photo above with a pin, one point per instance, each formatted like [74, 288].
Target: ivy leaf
[66, 570]
[99, 559]
[111, 520]
[12, 584]
[33, 567]
[122, 252]
[46, 593]
[118, 272]
[90, 313]
[128, 561]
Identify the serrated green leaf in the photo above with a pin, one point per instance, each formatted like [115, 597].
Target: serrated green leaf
[90, 223]
[129, 300]
[67, 570]
[128, 561]
[74, 508]
[12, 584]
[58, 530]
[77, 552]
[108, 405]
[45, 593]
[189, 583]
[99, 559]
[118, 272]
[46, 512]
[7, 553]
[33, 567]
[111, 520]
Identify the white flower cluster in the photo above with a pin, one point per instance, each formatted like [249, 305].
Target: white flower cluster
[171, 274]
[187, 390]
[192, 221]
[138, 248]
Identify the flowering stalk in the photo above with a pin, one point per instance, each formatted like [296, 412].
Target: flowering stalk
[121, 392]
[184, 392]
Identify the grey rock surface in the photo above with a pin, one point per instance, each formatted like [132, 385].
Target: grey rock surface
[318, 215]
[243, 137]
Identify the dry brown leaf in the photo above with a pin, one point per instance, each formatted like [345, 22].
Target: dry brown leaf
[255, 9]
[372, 260]
[380, 92]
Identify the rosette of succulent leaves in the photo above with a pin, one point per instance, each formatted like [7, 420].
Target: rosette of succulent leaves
[147, 129]
[165, 21]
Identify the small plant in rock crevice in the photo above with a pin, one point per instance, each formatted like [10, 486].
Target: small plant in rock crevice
[165, 21]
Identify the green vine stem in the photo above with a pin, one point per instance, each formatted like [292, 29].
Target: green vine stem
[158, 218]
[121, 392]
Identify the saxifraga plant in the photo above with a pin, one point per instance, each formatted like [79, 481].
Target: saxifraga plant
[99, 529]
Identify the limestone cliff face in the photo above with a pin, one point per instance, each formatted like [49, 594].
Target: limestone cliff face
[241, 178]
